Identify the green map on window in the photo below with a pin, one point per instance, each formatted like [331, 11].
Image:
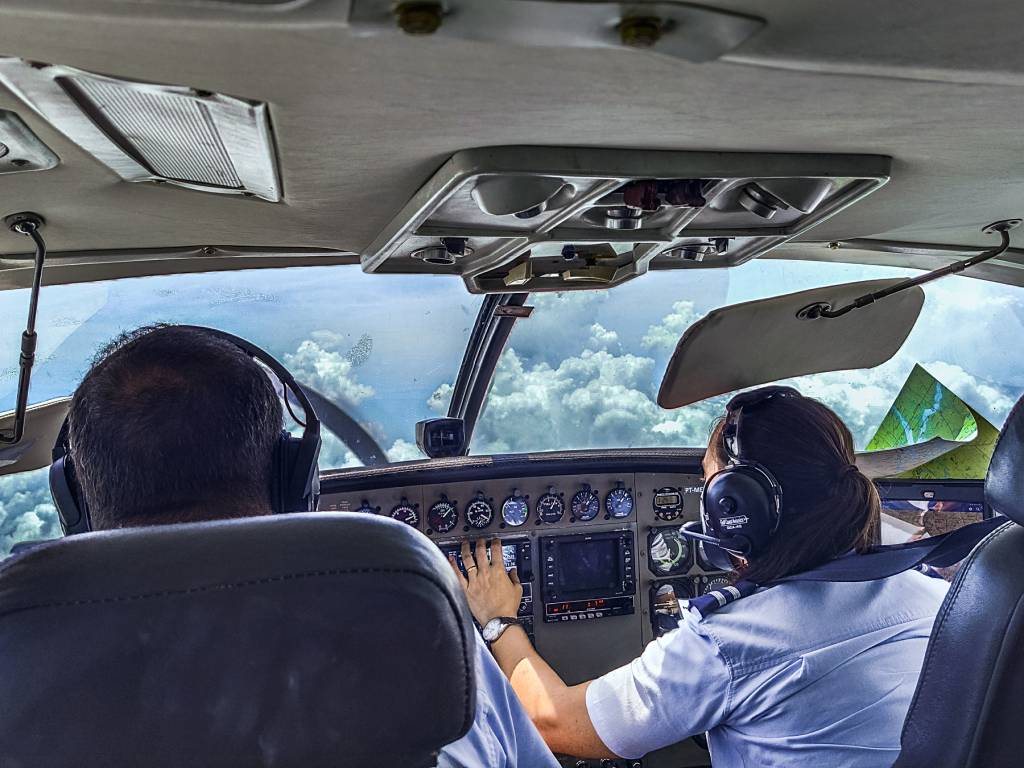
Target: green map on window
[927, 410]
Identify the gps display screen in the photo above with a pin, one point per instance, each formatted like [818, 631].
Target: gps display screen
[588, 567]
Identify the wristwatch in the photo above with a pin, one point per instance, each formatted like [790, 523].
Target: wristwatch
[496, 627]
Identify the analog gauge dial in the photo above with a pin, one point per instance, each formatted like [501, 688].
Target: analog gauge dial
[367, 509]
[479, 512]
[550, 507]
[668, 552]
[406, 513]
[586, 503]
[515, 510]
[443, 515]
[713, 583]
[619, 502]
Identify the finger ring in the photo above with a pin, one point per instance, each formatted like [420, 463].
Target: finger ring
[470, 567]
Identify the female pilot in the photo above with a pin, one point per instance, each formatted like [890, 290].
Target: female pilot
[799, 674]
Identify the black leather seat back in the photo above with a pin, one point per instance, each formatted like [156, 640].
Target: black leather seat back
[292, 641]
[970, 696]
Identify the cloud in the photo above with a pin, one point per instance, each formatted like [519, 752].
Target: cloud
[441, 399]
[402, 450]
[593, 399]
[666, 334]
[560, 324]
[319, 363]
[26, 510]
[602, 338]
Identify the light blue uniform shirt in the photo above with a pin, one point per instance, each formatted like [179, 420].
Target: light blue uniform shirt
[802, 674]
[502, 735]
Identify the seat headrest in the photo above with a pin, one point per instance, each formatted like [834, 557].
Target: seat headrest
[298, 640]
[1004, 483]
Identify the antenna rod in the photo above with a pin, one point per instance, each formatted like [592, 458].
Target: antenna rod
[27, 224]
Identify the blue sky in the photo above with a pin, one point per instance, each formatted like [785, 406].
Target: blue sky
[582, 372]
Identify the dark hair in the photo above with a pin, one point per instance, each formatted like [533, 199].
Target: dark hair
[828, 506]
[173, 424]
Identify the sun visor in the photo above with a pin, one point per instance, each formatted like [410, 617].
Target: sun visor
[42, 424]
[758, 342]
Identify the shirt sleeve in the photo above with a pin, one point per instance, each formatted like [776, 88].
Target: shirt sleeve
[678, 687]
[502, 735]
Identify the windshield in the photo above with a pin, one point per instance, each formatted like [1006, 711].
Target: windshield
[584, 370]
[381, 349]
[586, 365]
[386, 350]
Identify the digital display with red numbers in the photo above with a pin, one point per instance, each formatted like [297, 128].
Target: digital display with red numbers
[581, 610]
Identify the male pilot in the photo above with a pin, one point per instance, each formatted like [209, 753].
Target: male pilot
[135, 467]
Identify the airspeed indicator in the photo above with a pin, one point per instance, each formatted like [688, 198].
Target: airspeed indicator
[406, 513]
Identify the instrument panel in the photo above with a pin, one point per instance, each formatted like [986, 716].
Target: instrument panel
[594, 535]
[598, 553]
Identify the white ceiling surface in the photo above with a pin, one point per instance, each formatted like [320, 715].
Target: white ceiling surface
[361, 123]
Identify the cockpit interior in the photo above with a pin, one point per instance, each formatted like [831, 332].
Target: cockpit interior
[518, 256]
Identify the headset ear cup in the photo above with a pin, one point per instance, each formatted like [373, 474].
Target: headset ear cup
[71, 511]
[741, 508]
[296, 474]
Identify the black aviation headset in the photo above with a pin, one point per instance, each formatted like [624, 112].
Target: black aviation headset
[296, 485]
[741, 505]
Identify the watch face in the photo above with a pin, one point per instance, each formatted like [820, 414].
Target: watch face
[492, 629]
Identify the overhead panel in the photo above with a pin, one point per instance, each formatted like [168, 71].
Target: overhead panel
[549, 218]
[155, 133]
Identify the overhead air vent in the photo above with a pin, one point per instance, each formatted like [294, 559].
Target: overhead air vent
[561, 218]
[156, 133]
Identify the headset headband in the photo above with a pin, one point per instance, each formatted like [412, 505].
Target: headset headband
[746, 401]
[311, 426]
